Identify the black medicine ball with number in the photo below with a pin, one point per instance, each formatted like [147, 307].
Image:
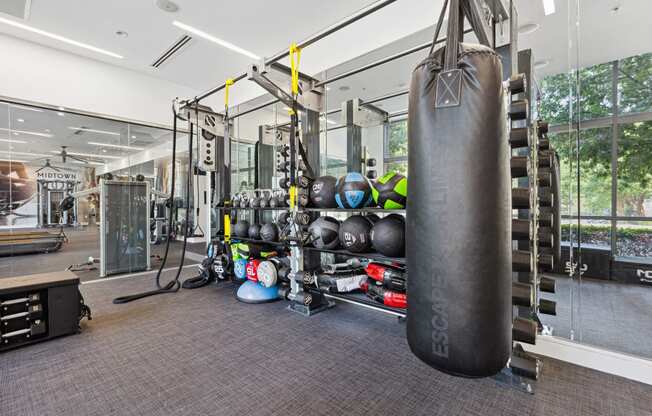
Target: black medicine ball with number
[254, 231]
[322, 192]
[355, 234]
[269, 232]
[324, 233]
[388, 236]
[241, 229]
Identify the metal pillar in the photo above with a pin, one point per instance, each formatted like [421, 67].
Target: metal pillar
[353, 140]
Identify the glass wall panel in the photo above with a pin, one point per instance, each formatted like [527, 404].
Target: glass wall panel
[53, 162]
[634, 197]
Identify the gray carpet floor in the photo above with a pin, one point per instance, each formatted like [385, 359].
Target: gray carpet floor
[84, 243]
[201, 352]
[606, 314]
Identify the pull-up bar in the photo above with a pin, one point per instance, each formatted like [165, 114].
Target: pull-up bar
[307, 42]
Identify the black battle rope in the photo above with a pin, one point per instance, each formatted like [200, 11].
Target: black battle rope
[173, 285]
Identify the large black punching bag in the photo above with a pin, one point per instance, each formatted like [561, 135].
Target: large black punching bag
[459, 211]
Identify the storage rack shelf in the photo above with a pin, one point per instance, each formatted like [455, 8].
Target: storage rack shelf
[361, 300]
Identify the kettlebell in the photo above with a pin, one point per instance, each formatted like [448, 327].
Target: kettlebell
[265, 198]
[255, 201]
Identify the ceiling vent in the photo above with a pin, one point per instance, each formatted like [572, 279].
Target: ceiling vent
[172, 50]
[16, 8]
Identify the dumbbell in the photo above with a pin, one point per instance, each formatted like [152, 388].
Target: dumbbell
[371, 163]
[372, 174]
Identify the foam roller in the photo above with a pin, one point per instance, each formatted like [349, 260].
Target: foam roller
[522, 294]
[521, 231]
[524, 330]
[518, 110]
[546, 284]
[544, 143]
[517, 84]
[519, 137]
[547, 307]
[521, 261]
[547, 217]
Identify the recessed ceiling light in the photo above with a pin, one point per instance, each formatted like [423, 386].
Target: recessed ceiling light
[548, 7]
[32, 133]
[57, 37]
[85, 154]
[344, 88]
[133, 137]
[13, 141]
[214, 39]
[60, 114]
[112, 133]
[541, 64]
[117, 146]
[20, 120]
[528, 28]
[24, 153]
[167, 6]
[122, 34]
[22, 107]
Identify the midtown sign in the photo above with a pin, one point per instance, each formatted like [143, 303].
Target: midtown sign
[52, 176]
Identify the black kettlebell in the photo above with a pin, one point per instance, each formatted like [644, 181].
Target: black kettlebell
[265, 198]
[255, 201]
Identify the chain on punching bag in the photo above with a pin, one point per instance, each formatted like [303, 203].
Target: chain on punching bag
[459, 313]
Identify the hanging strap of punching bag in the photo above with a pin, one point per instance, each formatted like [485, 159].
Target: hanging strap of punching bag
[455, 21]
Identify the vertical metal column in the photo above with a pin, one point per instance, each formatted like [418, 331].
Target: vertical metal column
[310, 141]
[221, 178]
[310, 130]
[353, 141]
[615, 132]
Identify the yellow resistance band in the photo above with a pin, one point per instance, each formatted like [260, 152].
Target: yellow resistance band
[295, 59]
[227, 84]
[227, 227]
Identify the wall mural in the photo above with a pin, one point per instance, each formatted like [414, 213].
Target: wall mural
[30, 195]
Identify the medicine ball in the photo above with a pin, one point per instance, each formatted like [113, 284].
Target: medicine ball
[269, 232]
[322, 192]
[390, 191]
[373, 218]
[267, 273]
[325, 232]
[283, 218]
[352, 191]
[388, 236]
[254, 231]
[355, 234]
[240, 269]
[241, 229]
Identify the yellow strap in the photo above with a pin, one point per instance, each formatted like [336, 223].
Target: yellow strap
[227, 84]
[295, 52]
[227, 227]
[293, 196]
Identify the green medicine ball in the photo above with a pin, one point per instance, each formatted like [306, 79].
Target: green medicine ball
[390, 191]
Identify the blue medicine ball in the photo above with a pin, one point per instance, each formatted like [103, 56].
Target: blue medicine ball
[240, 269]
[353, 191]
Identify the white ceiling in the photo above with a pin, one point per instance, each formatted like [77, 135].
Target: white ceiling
[261, 26]
[265, 27]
